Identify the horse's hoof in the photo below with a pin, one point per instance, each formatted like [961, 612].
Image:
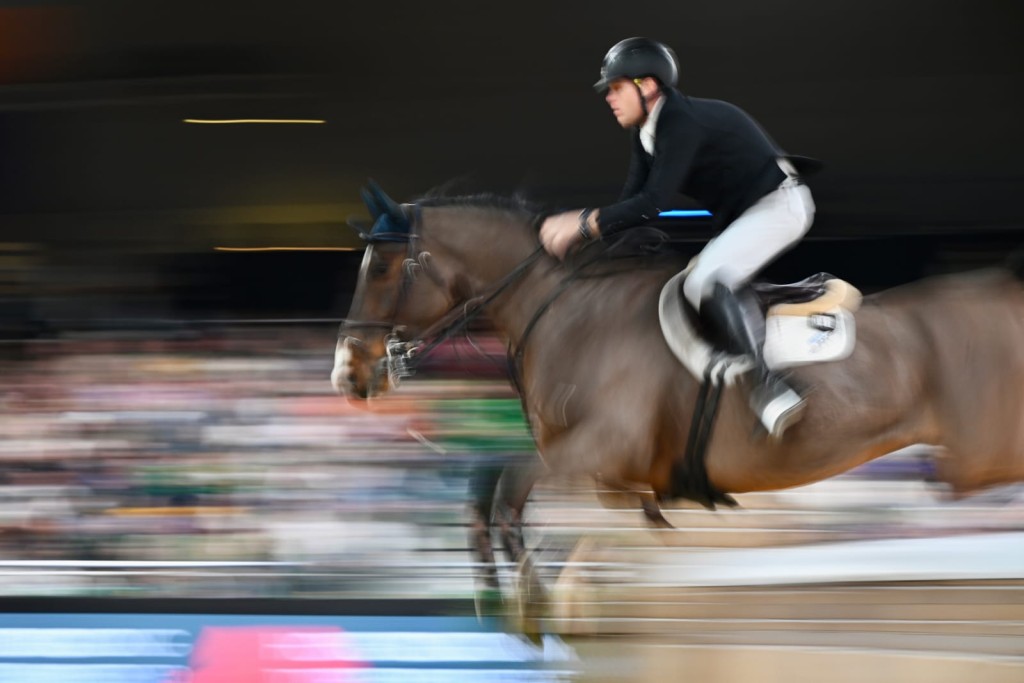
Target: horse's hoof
[531, 601]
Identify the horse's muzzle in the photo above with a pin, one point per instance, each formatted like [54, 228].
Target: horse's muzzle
[357, 372]
[364, 370]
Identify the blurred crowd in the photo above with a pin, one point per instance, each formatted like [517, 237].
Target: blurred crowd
[230, 445]
[127, 454]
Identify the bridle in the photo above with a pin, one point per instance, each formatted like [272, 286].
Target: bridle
[401, 356]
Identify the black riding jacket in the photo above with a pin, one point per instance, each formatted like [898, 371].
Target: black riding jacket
[709, 150]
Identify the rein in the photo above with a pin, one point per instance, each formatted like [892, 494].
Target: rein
[458, 318]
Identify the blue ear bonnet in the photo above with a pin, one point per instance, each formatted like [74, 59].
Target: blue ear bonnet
[391, 223]
[387, 228]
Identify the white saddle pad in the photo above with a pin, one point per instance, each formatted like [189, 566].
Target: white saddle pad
[794, 335]
[792, 340]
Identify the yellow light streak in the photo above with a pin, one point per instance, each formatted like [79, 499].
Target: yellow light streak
[229, 121]
[286, 248]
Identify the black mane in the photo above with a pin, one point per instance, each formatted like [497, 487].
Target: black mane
[514, 204]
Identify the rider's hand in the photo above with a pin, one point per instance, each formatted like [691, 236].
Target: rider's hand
[559, 233]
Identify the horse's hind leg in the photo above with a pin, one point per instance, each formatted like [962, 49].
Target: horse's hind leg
[613, 492]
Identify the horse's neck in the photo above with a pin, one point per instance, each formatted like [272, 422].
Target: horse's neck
[490, 260]
[526, 299]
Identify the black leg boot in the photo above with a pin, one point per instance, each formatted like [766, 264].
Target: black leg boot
[739, 320]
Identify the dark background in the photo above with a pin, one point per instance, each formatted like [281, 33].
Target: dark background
[914, 107]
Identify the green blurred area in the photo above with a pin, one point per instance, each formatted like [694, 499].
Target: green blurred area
[483, 425]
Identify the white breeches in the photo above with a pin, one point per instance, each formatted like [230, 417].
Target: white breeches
[771, 226]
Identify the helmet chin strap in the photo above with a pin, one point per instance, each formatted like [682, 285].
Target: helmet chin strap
[643, 101]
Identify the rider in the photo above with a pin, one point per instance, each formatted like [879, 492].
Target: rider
[716, 153]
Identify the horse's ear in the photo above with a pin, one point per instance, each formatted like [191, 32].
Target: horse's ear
[390, 224]
[384, 203]
[371, 203]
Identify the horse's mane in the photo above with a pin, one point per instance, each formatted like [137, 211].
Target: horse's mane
[517, 204]
[524, 208]
[599, 259]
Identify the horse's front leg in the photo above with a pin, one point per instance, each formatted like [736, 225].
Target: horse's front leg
[518, 480]
[483, 490]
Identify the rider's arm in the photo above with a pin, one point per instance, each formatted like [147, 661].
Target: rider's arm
[675, 151]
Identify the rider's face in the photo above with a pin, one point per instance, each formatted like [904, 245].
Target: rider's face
[624, 101]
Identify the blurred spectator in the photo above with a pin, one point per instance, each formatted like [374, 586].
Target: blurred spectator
[228, 445]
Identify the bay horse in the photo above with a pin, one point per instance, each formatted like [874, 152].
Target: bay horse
[939, 361]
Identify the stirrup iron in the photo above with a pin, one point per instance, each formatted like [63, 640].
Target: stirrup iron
[777, 407]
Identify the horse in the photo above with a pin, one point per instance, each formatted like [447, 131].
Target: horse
[939, 361]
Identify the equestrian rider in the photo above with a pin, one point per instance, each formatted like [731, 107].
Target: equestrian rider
[717, 154]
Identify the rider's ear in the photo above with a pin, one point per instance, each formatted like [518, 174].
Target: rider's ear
[650, 87]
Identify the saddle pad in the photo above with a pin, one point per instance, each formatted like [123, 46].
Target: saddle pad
[793, 340]
[810, 335]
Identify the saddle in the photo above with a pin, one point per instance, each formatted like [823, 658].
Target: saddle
[810, 321]
[819, 290]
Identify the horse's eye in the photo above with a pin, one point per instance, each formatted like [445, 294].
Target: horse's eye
[379, 269]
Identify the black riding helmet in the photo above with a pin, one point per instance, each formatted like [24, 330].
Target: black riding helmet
[636, 58]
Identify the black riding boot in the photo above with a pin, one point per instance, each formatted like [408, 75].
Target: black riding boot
[739, 319]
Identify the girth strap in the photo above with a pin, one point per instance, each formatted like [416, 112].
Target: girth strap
[690, 475]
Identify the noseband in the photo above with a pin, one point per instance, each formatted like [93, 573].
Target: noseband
[401, 356]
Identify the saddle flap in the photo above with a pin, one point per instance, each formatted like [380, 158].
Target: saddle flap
[695, 353]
